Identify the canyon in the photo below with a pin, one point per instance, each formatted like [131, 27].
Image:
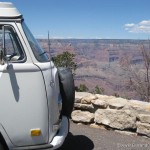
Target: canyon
[99, 61]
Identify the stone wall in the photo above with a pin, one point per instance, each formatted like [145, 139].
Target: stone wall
[113, 113]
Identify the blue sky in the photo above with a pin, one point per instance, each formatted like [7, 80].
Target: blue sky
[100, 19]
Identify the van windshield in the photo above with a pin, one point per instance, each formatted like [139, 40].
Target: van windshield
[39, 53]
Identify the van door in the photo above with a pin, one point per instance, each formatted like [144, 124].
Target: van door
[23, 102]
[50, 76]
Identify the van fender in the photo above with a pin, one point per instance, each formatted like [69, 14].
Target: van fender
[67, 90]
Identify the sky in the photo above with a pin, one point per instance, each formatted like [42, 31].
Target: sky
[87, 19]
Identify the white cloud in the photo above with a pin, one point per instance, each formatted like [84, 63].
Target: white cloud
[129, 25]
[141, 27]
[145, 22]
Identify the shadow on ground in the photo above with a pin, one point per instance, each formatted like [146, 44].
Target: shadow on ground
[77, 142]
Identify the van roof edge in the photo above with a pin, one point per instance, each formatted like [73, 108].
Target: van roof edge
[8, 10]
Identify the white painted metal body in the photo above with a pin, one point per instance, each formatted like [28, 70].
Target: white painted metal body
[29, 95]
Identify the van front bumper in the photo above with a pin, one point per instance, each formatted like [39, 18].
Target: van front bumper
[57, 141]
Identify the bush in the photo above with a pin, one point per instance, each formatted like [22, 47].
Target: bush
[82, 88]
[65, 59]
[98, 90]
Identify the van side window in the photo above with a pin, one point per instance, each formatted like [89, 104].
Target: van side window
[13, 47]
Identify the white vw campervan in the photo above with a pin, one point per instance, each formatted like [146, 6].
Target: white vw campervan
[36, 98]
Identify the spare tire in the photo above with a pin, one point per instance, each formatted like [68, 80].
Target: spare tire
[67, 90]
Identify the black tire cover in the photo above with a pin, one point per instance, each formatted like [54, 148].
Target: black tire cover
[2, 147]
[67, 90]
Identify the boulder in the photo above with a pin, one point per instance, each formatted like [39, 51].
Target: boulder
[144, 118]
[112, 101]
[118, 119]
[104, 97]
[139, 105]
[87, 99]
[148, 107]
[80, 95]
[88, 107]
[82, 116]
[143, 128]
[136, 111]
[117, 103]
[100, 103]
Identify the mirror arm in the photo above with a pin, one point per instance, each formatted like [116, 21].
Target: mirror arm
[2, 57]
